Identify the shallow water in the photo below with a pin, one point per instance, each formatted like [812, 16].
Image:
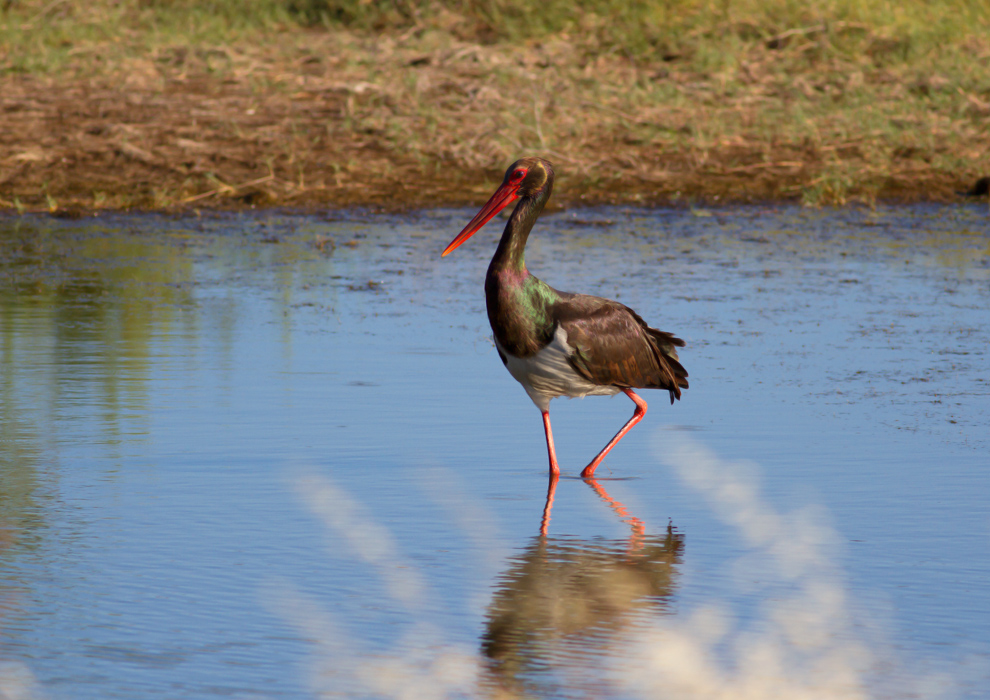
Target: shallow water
[277, 456]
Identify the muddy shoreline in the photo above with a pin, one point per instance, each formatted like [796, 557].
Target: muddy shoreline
[338, 122]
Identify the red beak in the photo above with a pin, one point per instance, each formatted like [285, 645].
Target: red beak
[503, 196]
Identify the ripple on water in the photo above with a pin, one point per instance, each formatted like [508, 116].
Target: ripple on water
[165, 381]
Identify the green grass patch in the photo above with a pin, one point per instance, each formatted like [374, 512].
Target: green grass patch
[37, 35]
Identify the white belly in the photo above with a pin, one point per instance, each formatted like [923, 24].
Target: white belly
[549, 374]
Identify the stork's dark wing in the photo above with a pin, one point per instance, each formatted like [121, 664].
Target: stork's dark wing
[613, 345]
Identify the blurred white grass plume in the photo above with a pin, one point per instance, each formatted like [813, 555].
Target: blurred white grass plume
[18, 683]
[420, 665]
[804, 644]
[807, 641]
[368, 541]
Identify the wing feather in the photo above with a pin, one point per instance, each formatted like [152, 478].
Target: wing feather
[614, 346]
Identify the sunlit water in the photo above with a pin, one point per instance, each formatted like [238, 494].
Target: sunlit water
[277, 457]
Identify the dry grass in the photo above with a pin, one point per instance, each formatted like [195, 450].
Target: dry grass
[119, 105]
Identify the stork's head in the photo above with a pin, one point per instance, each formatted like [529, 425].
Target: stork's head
[527, 178]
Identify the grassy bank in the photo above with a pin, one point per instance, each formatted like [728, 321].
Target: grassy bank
[336, 102]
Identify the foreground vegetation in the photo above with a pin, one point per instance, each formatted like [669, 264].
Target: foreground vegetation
[159, 104]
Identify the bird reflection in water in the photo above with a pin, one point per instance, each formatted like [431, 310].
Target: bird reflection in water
[566, 601]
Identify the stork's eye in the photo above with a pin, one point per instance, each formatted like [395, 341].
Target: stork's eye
[517, 176]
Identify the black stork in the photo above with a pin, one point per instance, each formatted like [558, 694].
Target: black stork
[558, 343]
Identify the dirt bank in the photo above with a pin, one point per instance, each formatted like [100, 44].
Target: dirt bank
[335, 119]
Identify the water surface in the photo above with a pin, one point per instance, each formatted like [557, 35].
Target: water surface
[277, 456]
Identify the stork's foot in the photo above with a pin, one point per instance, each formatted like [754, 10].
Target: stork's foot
[589, 471]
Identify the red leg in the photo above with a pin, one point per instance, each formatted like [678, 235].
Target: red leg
[637, 416]
[554, 469]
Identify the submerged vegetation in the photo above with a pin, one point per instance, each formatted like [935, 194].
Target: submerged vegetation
[159, 104]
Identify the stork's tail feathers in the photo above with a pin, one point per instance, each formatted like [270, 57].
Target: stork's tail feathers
[674, 374]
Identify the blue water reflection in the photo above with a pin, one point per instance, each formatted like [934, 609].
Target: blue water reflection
[166, 385]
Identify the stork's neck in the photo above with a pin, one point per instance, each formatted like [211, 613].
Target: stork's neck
[511, 253]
